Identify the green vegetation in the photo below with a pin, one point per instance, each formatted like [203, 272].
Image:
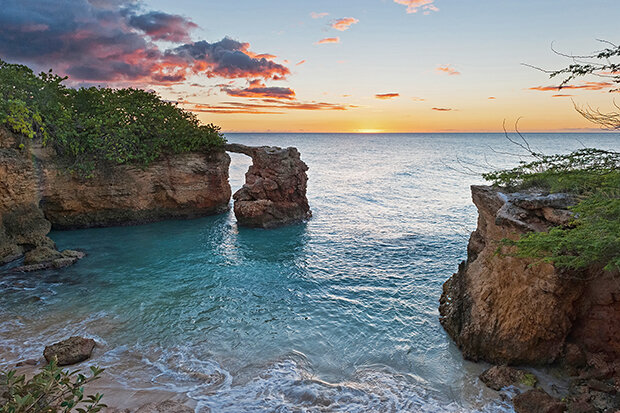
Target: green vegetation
[593, 237]
[529, 380]
[91, 127]
[51, 390]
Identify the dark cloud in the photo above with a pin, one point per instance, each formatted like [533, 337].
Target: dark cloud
[162, 26]
[112, 41]
[262, 92]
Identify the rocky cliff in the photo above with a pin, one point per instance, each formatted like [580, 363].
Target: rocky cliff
[274, 193]
[180, 186]
[504, 310]
[37, 193]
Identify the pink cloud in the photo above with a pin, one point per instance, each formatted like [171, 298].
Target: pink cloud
[344, 23]
[329, 40]
[316, 15]
[300, 63]
[448, 69]
[583, 86]
[413, 6]
[442, 109]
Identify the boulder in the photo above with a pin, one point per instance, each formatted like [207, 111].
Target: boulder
[537, 401]
[71, 351]
[498, 377]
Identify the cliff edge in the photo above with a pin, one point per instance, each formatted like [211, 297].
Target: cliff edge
[508, 310]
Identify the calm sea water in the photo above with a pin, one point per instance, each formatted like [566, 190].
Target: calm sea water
[338, 314]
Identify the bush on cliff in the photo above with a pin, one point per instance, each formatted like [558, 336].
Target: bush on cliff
[89, 127]
[593, 237]
[51, 390]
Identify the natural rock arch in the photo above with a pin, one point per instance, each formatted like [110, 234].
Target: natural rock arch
[274, 193]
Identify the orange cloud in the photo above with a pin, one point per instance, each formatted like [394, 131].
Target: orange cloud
[344, 23]
[263, 106]
[329, 40]
[413, 6]
[491, 98]
[301, 63]
[561, 96]
[442, 109]
[583, 86]
[448, 69]
[418, 99]
[386, 96]
[316, 15]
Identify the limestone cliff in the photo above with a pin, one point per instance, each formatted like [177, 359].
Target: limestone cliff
[37, 193]
[179, 186]
[274, 193]
[504, 310]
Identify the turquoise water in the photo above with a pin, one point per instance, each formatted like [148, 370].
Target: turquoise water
[337, 314]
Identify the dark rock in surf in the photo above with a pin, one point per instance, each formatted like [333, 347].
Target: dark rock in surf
[71, 351]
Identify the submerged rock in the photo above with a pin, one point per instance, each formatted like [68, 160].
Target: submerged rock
[71, 351]
[274, 193]
[498, 377]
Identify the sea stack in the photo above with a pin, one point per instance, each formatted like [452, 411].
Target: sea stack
[274, 193]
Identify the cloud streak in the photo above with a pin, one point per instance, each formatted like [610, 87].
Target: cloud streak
[344, 24]
[262, 92]
[264, 106]
[386, 96]
[448, 69]
[583, 86]
[316, 15]
[329, 40]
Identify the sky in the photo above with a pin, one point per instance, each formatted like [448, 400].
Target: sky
[328, 66]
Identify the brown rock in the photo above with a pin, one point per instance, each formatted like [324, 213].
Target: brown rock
[498, 377]
[180, 186]
[274, 193]
[499, 308]
[574, 356]
[168, 406]
[71, 351]
[537, 401]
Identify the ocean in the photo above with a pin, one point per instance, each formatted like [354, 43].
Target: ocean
[338, 314]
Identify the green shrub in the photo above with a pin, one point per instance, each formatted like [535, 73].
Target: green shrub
[593, 237]
[51, 390]
[91, 127]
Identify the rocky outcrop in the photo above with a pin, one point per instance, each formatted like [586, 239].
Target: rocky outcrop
[274, 193]
[498, 377]
[504, 310]
[23, 226]
[37, 193]
[70, 351]
[537, 401]
[180, 186]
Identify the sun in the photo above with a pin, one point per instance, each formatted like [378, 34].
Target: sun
[369, 131]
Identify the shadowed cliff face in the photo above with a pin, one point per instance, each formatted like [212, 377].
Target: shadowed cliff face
[274, 193]
[504, 310]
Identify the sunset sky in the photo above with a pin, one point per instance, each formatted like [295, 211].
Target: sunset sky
[327, 66]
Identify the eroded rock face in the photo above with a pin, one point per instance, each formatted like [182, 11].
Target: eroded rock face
[274, 193]
[23, 226]
[70, 351]
[498, 377]
[180, 186]
[504, 310]
[37, 193]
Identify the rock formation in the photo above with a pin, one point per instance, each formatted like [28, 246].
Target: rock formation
[23, 227]
[36, 194]
[274, 193]
[70, 351]
[180, 186]
[504, 310]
